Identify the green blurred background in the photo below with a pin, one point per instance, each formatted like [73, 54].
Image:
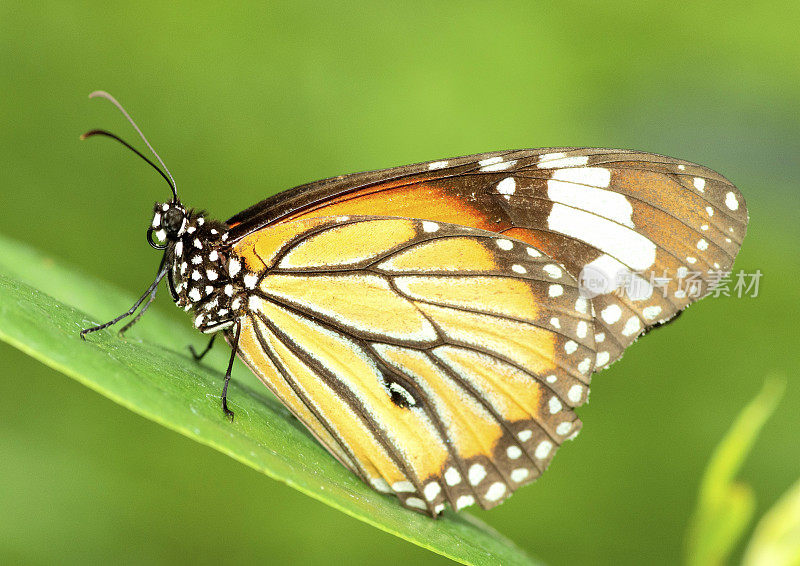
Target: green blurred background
[243, 101]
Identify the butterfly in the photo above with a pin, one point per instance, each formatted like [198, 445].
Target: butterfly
[435, 325]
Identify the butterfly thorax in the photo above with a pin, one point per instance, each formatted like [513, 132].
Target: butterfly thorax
[204, 277]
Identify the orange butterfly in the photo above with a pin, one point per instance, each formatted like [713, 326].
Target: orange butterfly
[434, 325]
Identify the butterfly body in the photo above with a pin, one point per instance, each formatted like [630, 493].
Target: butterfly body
[434, 325]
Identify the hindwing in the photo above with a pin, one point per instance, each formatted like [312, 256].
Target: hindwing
[438, 362]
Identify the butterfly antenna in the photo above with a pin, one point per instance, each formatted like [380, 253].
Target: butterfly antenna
[107, 96]
[91, 133]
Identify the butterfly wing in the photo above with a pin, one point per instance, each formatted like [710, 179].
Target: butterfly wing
[646, 234]
[438, 362]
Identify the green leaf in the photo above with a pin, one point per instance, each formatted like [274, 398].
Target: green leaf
[725, 507]
[151, 373]
[776, 539]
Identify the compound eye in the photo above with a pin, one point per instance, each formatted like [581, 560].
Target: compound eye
[173, 220]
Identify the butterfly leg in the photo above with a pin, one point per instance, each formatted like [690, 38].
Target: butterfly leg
[150, 292]
[135, 319]
[197, 357]
[234, 347]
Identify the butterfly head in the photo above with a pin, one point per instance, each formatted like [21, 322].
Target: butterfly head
[170, 220]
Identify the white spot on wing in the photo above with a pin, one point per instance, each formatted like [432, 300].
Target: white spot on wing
[564, 428]
[490, 161]
[551, 160]
[632, 326]
[651, 312]
[452, 477]
[507, 186]
[404, 486]
[432, 490]
[464, 501]
[611, 314]
[592, 176]
[628, 246]
[519, 475]
[553, 271]
[543, 449]
[699, 184]
[731, 201]
[499, 166]
[476, 474]
[496, 491]
[437, 165]
[429, 226]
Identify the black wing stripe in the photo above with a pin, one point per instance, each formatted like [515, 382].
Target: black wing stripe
[430, 408]
[268, 350]
[355, 405]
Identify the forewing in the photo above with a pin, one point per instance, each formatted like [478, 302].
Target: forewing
[438, 362]
[646, 234]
